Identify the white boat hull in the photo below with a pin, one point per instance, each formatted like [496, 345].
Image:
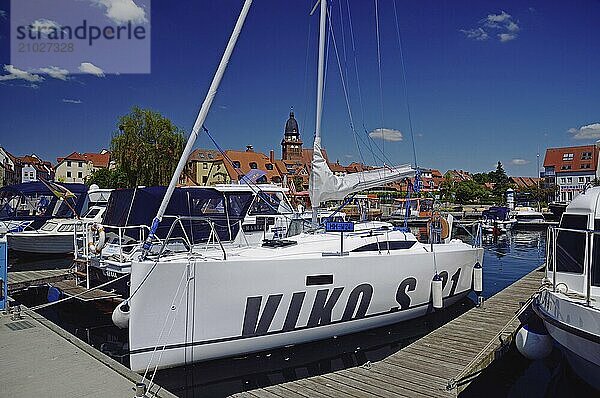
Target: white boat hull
[214, 309]
[576, 328]
[41, 243]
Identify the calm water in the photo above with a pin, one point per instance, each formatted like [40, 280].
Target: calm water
[507, 259]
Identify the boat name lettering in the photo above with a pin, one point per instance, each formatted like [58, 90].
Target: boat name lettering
[257, 322]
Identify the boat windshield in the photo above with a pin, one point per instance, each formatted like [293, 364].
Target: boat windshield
[269, 203]
[93, 212]
[48, 226]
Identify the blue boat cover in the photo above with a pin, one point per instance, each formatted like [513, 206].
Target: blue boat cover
[499, 213]
[130, 207]
[38, 202]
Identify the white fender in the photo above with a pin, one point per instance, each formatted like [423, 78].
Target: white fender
[120, 315]
[533, 341]
[478, 278]
[436, 292]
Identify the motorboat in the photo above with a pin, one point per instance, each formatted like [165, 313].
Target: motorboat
[55, 236]
[496, 220]
[569, 300]
[419, 210]
[210, 301]
[29, 205]
[557, 209]
[529, 218]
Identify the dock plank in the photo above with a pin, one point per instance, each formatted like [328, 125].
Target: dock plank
[18, 280]
[427, 366]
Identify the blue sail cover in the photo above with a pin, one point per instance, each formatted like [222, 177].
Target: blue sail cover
[34, 201]
[129, 207]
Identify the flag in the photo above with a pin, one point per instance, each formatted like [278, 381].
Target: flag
[58, 190]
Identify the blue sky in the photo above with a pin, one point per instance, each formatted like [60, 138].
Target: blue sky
[486, 81]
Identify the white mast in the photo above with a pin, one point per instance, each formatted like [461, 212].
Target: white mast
[321, 72]
[210, 96]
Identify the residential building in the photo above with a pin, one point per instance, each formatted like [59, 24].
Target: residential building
[459, 175]
[205, 167]
[77, 167]
[525, 182]
[34, 168]
[570, 169]
[10, 170]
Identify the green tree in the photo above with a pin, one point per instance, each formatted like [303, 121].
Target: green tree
[469, 191]
[147, 148]
[481, 178]
[447, 188]
[501, 183]
[108, 178]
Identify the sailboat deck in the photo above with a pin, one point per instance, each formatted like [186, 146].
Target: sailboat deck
[425, 367]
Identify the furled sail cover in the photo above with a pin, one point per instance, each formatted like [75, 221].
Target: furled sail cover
[324, 185]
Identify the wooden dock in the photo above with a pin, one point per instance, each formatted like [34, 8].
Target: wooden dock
[39, 359]
[23, 279]
[440, 364]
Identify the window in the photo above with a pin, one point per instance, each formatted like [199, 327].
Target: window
[236, 164]
[567, 156]
[580, 179]
[588, 179]
[570, 245]
[253, 165]
[79, 174]
[585, 165]
[68, 163]
[201, 156]
[80, 164]
[69, 174]
[565, 167]
[586, 156]
[211, 156]
[205, 165]
[569, 180]
[269, 166]
[204, 179]
[563, 180]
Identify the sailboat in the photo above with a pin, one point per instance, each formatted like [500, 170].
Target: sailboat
[204, 304]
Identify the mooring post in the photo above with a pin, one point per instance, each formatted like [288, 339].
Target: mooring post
[140, 389]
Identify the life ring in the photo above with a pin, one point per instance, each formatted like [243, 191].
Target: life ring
[440, 222]
[97, 245]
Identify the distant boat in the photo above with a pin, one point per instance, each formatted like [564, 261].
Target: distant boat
[557, 209]
[420, 210]
[30, 204]
[497, 220]
[569, 300]
[528, 217]
[56, 236]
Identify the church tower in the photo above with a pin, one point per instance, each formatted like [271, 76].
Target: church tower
[291, 145]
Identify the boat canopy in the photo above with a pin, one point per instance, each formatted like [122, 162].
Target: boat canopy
[34, 201]
[496, 213]
[128, 207]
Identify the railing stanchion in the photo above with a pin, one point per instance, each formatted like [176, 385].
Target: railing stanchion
[554, 236]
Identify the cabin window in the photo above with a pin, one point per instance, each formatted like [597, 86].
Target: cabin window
[66, 228]
[570, 245]
[595, 274]
[393, 245]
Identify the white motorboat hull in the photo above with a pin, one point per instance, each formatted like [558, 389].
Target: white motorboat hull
[576, 328]
[206, 309]
[41, 243]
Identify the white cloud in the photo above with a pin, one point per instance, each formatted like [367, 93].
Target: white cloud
[55, 72]
[88, 67]
[504, 37]
[519, 162]
[386, 134]
[71, 101]
[502, 25]
[44, 26]
[589, 132]
[18, 74]
[476, 34]
[123, 11]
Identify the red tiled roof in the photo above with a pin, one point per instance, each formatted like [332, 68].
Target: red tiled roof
[525, 182]
[247, 157]
[97, 159]
[555, 158]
